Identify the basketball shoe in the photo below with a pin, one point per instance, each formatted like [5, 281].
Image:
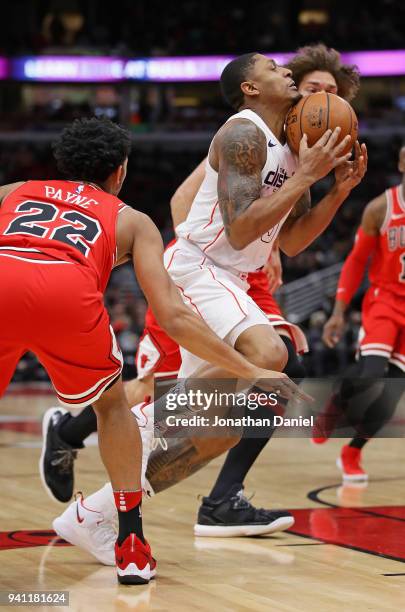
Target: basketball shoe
[86, 526]
[234, 516]
[56, 464]
[135, 564]
[327, 420]
[349, 463]
[91, 524]
[57, 458]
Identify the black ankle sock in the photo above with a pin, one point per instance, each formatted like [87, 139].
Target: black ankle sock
[129, 521]
[241, 457]
[358, 442]
[74, 430]
[237, 464]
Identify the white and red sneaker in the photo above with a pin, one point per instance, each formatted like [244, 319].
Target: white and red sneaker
[86, 525]
[135, 564]
[349, 463]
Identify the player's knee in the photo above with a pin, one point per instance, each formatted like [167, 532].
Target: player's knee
[271, 355]
[113, 399]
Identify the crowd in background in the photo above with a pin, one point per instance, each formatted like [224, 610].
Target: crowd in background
[158, 28]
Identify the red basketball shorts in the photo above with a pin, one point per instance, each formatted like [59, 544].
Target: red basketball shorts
[56, 311]
[157, 353]
[383, 326]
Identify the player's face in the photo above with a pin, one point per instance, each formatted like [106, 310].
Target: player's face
[273, 82]
[318, 80]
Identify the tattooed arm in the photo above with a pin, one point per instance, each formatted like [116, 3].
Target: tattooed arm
[239, 154]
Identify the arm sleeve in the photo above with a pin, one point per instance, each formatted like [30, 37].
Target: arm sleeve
[353, 269]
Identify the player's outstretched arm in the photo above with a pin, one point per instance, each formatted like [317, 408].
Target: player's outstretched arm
[239, 153]
[304, 224]
[354, 267]
[139, 239]
[184, 195]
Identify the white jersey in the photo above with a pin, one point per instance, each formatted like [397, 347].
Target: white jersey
[204, 226]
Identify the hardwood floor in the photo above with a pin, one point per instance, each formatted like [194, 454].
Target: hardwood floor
[345, 552]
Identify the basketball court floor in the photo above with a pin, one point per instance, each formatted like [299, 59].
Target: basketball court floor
[346, 550]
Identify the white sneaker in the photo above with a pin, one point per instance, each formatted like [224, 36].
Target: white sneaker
[89, 529]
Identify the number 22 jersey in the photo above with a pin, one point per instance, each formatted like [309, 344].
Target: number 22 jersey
[48, 221]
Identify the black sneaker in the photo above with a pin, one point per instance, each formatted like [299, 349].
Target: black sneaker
[234, 516]
[57, 457]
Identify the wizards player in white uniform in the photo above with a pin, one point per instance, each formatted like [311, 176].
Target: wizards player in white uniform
[252, 184]
[249, 196]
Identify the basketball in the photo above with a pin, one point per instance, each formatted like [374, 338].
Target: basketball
[316, 113]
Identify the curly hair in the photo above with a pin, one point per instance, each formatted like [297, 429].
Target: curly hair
[91, 149]
[319, 57]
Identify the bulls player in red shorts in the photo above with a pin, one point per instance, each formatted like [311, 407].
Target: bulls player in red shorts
[381, 238]
[58, 243]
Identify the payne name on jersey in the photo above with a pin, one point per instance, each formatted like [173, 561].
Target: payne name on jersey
[69, 197]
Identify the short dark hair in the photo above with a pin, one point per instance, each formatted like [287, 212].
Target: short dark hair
[233, 75]
[319, 57]
[91, 149]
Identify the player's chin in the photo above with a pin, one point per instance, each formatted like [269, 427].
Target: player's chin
[295, 95]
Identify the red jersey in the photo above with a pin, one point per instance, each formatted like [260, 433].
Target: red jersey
[387, 269]
[61, 220]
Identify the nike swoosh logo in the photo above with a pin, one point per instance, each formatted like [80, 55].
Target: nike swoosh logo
[271, 144]
[396, 217]
[119, 561]
[79, 518]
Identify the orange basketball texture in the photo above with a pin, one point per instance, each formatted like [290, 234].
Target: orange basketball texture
[316, 113]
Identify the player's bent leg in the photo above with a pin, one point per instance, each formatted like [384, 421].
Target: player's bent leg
[137, 390]
[226, 512]
[263, 347]
[372, 368]
[121, 451]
